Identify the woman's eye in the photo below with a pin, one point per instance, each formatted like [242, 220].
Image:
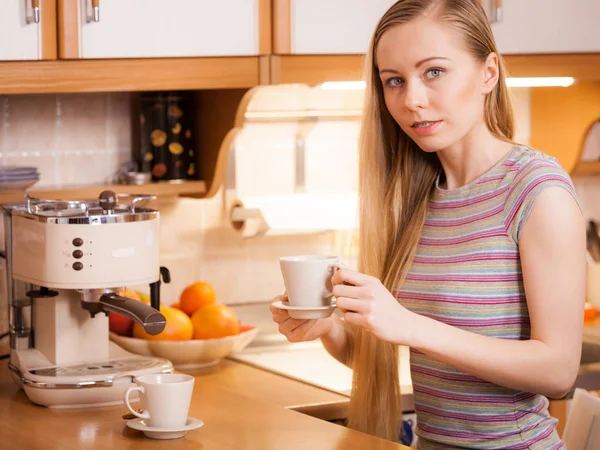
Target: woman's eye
[394, 82]
[434, 73]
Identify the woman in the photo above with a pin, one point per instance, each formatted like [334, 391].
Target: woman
[472, 248]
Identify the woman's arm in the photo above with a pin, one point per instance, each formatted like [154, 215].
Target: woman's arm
[339, 342]
[552, 250]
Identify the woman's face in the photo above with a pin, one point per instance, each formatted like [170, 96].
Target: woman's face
[433, 88]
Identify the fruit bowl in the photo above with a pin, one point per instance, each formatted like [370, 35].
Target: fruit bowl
[192, 354]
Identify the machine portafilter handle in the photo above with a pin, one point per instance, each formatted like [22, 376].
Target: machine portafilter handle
[165, 275]
[148, 317]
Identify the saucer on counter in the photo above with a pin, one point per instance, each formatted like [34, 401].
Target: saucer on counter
[164, 433]
[304, 312]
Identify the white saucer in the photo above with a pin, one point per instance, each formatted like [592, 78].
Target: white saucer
[302, 312]
[164, 433]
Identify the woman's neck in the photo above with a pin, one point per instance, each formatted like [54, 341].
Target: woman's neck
[473, 156]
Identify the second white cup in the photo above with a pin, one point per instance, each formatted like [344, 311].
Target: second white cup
[165, 399]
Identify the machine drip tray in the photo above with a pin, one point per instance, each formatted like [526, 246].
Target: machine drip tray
[109, 367]
[92, 384]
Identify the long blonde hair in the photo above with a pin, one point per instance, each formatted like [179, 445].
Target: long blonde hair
[396, 179]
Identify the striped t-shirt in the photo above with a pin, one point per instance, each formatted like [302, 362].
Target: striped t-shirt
[467, 273]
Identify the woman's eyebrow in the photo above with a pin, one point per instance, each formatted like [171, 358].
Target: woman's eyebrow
[420, 63]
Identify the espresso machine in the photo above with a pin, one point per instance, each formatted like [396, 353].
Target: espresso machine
[66, 262]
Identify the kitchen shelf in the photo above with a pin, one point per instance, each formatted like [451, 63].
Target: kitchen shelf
[115, 75]
[195, 189]
[316, 69]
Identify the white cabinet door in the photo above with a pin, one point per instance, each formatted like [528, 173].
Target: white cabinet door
[334, 26]
[548, 26]
[169, 28]
[19, 40]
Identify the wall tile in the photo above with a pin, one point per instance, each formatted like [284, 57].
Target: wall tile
[29, 122]
[119, 121]
[72, 139]
[80, 167]
[82, 121]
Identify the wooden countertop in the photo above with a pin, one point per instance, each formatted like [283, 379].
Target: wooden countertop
[242, 408]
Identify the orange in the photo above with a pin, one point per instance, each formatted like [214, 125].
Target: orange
[176, 305]
[196, 296]
[143, 297]
[179, 327]
[130, 293]
[215, 321]
[244, 327]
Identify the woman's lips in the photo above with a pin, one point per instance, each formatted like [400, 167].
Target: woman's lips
[425, 128]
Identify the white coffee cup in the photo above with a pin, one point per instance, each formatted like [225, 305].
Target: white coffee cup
[307, 279]
[165, 399]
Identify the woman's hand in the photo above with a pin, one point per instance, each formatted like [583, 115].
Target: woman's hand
[366, 302]
[297, 330]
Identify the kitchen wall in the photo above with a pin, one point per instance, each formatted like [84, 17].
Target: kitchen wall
[85, 138]
[72, 138]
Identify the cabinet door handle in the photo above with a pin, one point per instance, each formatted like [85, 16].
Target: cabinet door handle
[497, 11]
[32, 8]
[94, 6]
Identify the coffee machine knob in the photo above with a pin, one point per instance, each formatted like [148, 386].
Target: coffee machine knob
[107, 201]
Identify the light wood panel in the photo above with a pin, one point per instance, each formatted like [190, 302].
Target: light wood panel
[265, 38]
[580, 66]
[128, 75]
[281, 390]
[264, 69]
[18, 77]
[560, 119]
[558, 410]
[187, 189]
[68, 29]
[215, 119]
[282, 33]
[587, 168]
[315, 69]
[48, 19]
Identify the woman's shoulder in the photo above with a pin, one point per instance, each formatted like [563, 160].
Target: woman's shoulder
[532, 171]
[529, 165]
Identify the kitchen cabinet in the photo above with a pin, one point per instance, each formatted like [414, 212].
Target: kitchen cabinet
[545, 26]
[27, 30]
[102, 29]
[312, 27]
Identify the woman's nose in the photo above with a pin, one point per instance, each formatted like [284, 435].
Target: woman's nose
[415, 96]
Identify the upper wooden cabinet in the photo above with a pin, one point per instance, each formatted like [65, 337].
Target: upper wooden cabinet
[313, 27]
[545, 26]
[27, 30]
[100, 29]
